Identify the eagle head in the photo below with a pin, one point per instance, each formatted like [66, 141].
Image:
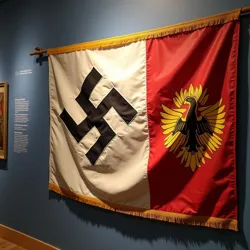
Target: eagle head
[190, 99]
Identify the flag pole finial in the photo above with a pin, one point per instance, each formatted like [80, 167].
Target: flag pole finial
[38, 51]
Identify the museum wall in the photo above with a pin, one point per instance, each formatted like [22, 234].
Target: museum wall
[25, 202]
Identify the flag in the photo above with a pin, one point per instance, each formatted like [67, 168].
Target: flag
[146, 124]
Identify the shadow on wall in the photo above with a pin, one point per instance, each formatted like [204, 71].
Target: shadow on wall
[150, 230]
[242, 116]
[2, 1]
[41, 59]
[3, 165]
[138, 228]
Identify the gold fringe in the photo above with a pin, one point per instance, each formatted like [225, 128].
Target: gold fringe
[151, 214]
[119, 41]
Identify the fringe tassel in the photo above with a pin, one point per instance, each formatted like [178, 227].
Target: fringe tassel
[120, 41]
[193, 220]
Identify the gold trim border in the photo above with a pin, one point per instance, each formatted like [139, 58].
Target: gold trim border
[119, 41]
[206, 221]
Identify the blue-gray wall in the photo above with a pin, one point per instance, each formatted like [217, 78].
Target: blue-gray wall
[25, 202]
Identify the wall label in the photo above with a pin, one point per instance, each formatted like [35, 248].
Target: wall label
[21, 139]
[23, 72]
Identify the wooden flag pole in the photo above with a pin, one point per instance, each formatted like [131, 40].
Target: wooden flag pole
[38, 51]
[245, 11]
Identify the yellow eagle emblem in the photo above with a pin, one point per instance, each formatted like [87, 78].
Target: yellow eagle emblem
[193, 131]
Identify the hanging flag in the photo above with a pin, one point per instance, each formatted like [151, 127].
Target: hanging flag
[146, 124]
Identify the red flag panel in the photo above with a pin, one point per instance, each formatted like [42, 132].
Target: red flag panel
[191, 98]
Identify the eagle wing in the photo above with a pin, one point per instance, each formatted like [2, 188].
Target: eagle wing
[203, 126]
[174, 127]
[210, 126]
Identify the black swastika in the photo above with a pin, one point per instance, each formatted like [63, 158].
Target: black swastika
[95, 115]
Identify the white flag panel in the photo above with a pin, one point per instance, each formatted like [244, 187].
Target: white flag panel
[84, 157]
